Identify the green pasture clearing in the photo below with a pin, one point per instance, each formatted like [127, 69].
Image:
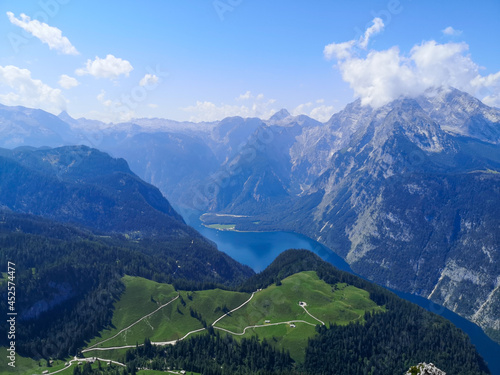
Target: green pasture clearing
[339, 304]
[171, 322]
[221, 226]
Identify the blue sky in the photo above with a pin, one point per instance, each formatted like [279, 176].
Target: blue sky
[204, 60]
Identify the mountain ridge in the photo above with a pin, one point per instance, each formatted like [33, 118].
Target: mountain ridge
[341, 182]
[400, 154]
[73, 183]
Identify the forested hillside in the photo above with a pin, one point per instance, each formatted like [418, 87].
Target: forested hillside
[387, 340]
[69, 277]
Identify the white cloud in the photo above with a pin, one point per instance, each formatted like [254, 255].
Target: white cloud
[321, 113]
[245, 96]
[152, 105]
[379, 77]
[378, 26]
[451, 31]
[338, 51]
[26, 91]
[344, 50]
[208, 111]
[149, 80]
[67, 82]
[301, 109]
[444, 65]
[113, 111]
[110, 67]
[49, 35]
[102, 98]
[489, 87]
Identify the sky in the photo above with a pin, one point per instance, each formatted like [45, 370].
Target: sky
[203, 60]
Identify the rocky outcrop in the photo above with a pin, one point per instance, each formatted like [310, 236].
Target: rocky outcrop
[425, 369]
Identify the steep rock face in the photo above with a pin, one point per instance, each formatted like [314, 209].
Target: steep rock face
[459, 113]
[314, 148]
[228, 135]
[414, 207]
[261, 173]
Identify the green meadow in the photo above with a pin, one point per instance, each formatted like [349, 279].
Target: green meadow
[339, 304]
[273, 309]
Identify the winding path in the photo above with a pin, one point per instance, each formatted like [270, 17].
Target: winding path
[263, 325]
[233, 310]
[303, 305]
[92, 359]
[130, 326]
[173, 342]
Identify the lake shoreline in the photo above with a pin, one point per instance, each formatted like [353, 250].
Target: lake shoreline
[258, 249]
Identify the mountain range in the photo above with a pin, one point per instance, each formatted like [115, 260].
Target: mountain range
[407, 193]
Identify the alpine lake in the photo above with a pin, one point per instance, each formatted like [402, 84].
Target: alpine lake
[259, 249]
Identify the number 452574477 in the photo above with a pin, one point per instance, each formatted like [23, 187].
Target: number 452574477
[11, 287]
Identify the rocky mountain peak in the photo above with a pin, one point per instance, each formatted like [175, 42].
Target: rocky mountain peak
[280, 115]
[459, 113]
[425, 369]
[65, 116]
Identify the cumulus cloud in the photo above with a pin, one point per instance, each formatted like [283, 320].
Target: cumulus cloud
[22, 89]
[49, 35]
[67, 82]
[301, 109]
[339, 50]
[110, 67]
[149, 80]
[321, 112]
[379, 77]
[208, 111]
[451, 31]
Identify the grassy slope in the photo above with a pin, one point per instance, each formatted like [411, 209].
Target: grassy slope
[28, 366]
[341, 304]
[141, 298]
[171, 322]
[23, 365]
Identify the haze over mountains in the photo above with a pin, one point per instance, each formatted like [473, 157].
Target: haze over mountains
[408, 193]
[92, 243]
